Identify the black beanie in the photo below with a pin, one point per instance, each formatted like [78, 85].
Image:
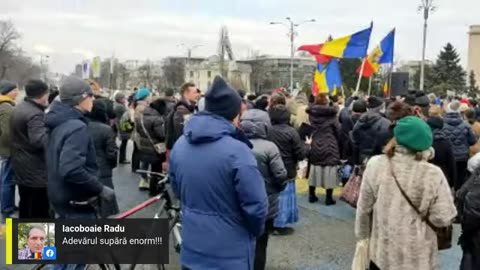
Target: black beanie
[36, 88]
[359, 106]
[374, 102]
[223, 100]
[6, 86]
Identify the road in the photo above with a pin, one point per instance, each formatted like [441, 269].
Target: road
[323, 239]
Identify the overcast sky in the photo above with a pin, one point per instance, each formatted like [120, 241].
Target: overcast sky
[70, 30]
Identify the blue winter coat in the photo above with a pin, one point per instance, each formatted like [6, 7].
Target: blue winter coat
[460, 134]
[71, 159]
[222, 193]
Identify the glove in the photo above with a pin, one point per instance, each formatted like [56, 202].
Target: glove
[107, 194]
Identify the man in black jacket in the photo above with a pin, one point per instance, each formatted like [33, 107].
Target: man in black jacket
[182, 111]
[28, 151]
[71, 161]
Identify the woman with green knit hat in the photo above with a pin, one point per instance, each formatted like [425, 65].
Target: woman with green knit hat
[399, 238]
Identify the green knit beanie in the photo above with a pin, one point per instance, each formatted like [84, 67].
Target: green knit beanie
[413, 133]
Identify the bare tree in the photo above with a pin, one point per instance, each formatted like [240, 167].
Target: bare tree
[259, 73]
[174, 73]
[8, 36]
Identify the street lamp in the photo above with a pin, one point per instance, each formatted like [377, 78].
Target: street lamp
[426, 6]
[291, 32]
[189, 50]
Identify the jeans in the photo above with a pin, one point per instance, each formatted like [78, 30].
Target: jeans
[84, 215]
[8, 187]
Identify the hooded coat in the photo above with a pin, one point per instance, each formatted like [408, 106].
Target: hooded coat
[222, 194]
[369, 135]
[71, 159]
[325, 148]
[268, 158]
[444, 157]
[287, 139]
[460, 134]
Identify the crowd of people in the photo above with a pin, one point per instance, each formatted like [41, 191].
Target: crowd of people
[232, 160]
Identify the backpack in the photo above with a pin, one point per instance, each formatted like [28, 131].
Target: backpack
[125, 125]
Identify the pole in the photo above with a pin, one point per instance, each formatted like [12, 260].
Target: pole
[390, 81]
[292, 52]
[370, 85]
[362, 68]
[343, 91]
[426, 10]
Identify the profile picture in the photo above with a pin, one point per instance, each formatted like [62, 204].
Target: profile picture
[33, 238]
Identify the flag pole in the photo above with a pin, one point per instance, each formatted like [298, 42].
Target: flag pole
[362, 68]
[370, 85]
[343, 91]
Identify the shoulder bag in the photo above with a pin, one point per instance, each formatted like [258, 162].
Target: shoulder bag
[160, 148]
[444, 235]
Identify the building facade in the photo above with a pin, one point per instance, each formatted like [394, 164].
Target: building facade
[474, 51]
[412, 68]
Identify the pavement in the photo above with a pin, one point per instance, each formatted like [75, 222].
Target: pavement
[323, 238]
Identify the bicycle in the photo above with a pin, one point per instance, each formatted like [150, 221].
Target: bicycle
[168, 208]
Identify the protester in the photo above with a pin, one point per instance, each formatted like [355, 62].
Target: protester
[97, 94]
[444, 157]
[170, 99]
[346, 126]
[471, 118]
[369, 133]
[151, 131]
[182, 111]
[27, 125]
[384, 215]
[462, 137]
[250, 101]
[8, 95]
[106, 152]
[272, 168]
[292, 150]
[143, 98]
[225, 207]
[123, 131]
[71, 161]
[325, 150]
[468, 203]
[261, 103]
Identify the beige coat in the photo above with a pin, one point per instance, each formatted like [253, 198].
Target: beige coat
[399, 239]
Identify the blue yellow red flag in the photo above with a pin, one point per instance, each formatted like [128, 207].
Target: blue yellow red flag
[382, 54]
[352, 46]
[327, 78]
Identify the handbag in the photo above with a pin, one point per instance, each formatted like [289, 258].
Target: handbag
[351, 190]
[444, 235]
[160, 148]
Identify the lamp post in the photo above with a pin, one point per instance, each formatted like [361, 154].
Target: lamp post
[426, 6]
[189, 50]
[291, 33]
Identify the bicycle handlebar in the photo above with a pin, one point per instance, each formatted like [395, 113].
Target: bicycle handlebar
[152, 173]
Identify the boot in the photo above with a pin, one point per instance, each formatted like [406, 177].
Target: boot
[329, 199]
[143, 184]
[311, 195]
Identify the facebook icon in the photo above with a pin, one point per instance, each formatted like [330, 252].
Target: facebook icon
[49, 253]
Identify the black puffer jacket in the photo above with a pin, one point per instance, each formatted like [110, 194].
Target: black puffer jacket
[370, 134]
[269, 160]
[106, 149]
[325, 149]
[154, 123]
[291, 147]
[460, 134]
[28, 147]
[444, 157]
[468, 205]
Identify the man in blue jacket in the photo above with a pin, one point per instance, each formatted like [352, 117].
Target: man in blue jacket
[71, 160]
[215, 175]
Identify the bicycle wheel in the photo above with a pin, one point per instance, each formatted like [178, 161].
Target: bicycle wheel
[102, 267]
[40, 267]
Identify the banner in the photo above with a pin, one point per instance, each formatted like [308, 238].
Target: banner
[96, 67]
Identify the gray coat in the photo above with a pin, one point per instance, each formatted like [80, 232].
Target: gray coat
[268, 157]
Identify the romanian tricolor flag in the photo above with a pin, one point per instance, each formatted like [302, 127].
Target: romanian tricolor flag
[386, 90]
[315, 51]
[353, 46]
[327, 78]
[382, 54]
[36, 255]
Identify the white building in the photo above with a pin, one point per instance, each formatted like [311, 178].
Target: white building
[474, 51]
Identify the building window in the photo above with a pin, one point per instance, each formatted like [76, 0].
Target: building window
[191, 74]
[209, 74]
